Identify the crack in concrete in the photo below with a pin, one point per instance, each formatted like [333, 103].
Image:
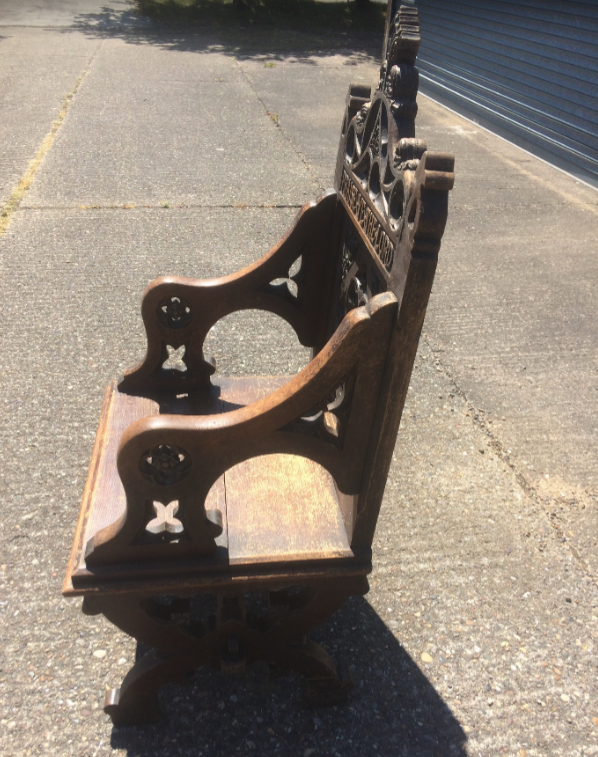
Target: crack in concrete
[501, 451]
[19, 191]
[274, 118]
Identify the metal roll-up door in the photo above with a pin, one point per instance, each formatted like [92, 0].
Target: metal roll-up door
[529, 69]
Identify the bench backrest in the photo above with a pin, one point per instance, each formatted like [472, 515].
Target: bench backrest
[391, 214]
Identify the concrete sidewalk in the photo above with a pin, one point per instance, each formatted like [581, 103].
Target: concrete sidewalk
[169, 151]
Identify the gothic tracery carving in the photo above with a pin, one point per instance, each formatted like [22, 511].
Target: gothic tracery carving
[381, 152]
[328, 419]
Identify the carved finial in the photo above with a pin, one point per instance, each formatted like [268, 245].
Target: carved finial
[398, 76]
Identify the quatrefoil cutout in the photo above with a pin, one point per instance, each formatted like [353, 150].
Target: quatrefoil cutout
[176, 359]
[165, 522]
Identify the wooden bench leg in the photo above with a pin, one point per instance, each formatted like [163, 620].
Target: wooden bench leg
[325, 684]
[135, 702]
[226, 643]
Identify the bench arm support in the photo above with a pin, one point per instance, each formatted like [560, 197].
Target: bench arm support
[179, 312]
[170, 458]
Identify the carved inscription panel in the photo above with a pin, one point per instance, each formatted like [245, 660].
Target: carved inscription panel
[360, 277]
[375, 234]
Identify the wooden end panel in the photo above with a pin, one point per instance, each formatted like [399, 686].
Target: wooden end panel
[104, 497]
[104, 500]
[241, 391]
[283, 508]
[107, 496]
[84, 513]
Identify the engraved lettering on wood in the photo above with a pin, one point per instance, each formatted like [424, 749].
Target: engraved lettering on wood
[375, 234]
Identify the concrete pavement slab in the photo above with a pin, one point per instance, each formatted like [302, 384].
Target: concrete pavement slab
[513, 313]
[312, 108]
[512, 317]
[512, 279]
[62, 13]
[478, 635]
[151, 125]
[497, 609]
[37, 71]
[86, 272]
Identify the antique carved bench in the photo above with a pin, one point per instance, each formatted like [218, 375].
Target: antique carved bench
[223, 519]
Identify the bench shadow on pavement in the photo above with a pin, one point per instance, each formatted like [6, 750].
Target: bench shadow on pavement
[393, 709]
[243, 41]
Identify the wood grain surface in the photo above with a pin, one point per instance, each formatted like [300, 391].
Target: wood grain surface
[283, 508]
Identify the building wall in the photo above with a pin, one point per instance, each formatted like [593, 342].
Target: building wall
[527, 69]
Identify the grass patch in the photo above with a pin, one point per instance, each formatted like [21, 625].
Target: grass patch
[309, 15]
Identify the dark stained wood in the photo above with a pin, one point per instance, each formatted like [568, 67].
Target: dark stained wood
[179, 312]
[269, 486]
[228, 640]
[179, 458]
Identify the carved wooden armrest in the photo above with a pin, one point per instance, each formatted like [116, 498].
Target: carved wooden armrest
[168, 463]
[179, 312]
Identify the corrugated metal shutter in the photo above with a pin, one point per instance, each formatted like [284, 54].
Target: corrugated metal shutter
[529, 67]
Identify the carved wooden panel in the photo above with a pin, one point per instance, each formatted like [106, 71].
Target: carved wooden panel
[394, 191]
[169, 463]
[290, 281]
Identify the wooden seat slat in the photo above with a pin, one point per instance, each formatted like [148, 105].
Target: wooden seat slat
[283, 508]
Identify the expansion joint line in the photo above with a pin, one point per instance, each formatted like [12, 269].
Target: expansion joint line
[170, 206]
[19, 191]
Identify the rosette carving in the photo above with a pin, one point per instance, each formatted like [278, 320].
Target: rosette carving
[174, 312]
[165, 464]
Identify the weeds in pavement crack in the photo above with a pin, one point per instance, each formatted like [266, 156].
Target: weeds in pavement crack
[17, 194]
